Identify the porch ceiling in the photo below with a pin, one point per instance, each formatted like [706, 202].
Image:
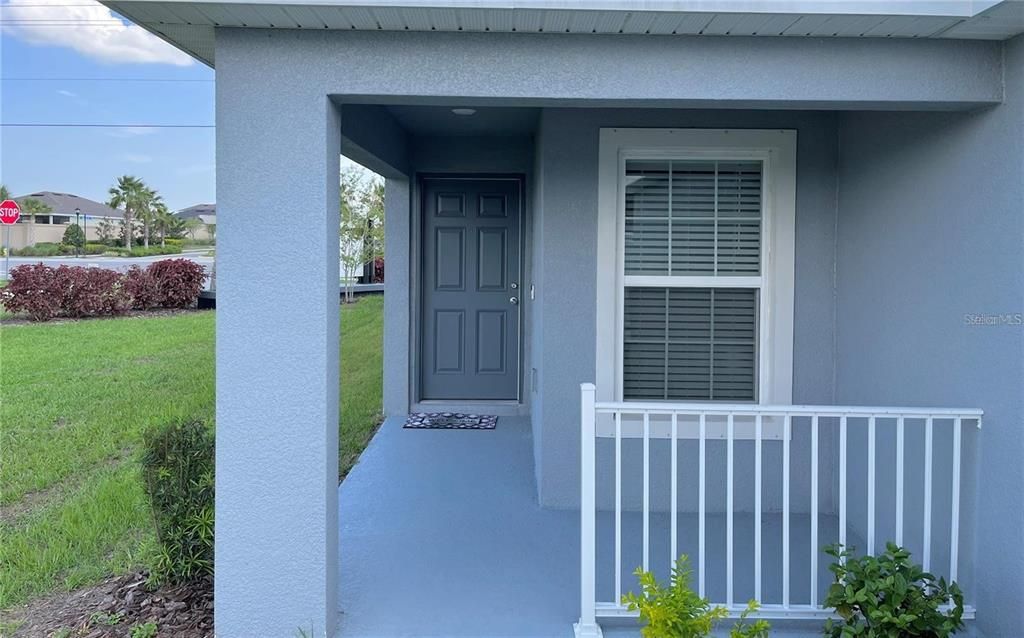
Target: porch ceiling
[189, 24]
[442, 121]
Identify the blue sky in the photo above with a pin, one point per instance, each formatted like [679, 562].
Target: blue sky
[49, 73]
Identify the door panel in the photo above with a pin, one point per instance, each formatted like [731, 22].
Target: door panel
[471, 268]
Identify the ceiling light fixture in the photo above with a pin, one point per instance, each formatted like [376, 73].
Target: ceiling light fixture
[464, 111]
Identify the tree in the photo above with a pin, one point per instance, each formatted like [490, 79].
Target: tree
[32, 207]
[127, 194]
[362, 224]
[193, 225]
[165, 222]
[149, 202]
[105, 230]
[74, 236]
[4, 193]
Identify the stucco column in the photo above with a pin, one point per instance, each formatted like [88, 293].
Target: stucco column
[397, 305]
[278, 146]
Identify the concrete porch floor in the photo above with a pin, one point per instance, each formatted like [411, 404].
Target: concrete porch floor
[441, 535]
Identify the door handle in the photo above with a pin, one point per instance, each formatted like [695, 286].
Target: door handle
[513, 300]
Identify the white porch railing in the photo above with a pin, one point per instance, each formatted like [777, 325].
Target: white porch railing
[767, 425]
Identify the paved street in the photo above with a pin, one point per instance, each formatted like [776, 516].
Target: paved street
[114, 263]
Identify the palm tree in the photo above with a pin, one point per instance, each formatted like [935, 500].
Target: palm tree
[127, 194]
[164, 221]
[32, 207]
[149, 201]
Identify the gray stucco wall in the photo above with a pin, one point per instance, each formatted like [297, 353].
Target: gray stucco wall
[277, 397]
[278, 137]
[624, 70]
[931, 228]
[566, 219]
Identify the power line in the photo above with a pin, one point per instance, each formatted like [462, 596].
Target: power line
[89, 125]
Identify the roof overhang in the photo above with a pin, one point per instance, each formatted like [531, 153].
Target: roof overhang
[189, 24]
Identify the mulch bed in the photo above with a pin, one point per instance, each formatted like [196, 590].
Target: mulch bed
[113, 607]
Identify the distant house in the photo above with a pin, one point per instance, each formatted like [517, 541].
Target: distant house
[206, 213]
[65, 208]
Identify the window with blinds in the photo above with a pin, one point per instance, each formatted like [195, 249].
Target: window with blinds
[692, 279]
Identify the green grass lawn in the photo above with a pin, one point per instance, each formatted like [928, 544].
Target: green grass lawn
[76, 397]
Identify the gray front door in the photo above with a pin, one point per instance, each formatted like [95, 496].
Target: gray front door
[471, 289]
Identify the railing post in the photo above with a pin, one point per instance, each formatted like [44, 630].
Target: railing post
[587, 626]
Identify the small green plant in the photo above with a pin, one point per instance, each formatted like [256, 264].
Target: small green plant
[63, 632]
[145, 630]
[889, 596]
[745, 629]
[104, 618]
[676, 611]
[177, 467]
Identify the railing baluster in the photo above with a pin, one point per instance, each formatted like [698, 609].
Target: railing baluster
[674, 495]
[899, 481]
[871, 485]
[842, 480]
[814, 510]
[729, 487]
[954, 529]
[701, 500]
[618, 507]
[926, 561]
[647, 490]
[758, 433]
[785, 509]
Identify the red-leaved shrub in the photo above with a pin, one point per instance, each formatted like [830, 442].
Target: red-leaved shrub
[139, 288]
[90, 292]
[178, 282]
[72, 291]
[34, 290]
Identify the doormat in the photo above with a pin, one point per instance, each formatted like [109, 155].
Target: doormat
[450, 421]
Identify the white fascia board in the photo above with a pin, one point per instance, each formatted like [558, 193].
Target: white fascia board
[947, 8]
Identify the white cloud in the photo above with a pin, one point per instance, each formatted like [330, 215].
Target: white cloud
[66, 93]
[137, 158]
[91, 29]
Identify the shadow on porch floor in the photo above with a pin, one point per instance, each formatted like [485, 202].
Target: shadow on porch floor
[441, 535]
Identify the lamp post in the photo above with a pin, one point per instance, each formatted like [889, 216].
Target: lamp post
[78, 214]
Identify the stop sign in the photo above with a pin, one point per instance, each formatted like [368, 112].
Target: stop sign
[9, 211]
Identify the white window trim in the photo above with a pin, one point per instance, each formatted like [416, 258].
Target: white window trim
[777, 149]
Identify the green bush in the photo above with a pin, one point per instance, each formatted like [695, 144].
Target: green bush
[73, 236]
[95, 249]
[171, 241]
[142, 251]
[177, 468]
[42, 249]
[676, 611]
[889, 595]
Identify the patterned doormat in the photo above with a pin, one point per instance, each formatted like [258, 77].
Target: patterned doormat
[450, 421]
